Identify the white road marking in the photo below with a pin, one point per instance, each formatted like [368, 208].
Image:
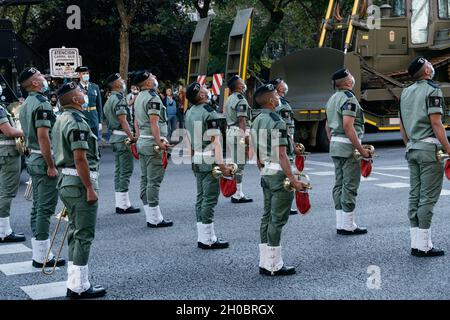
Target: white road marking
[393, 168]
[445, 192]
[369, 179]
[46, 291]
[394, 185]
[13, 248]
[391, 175]
[319, 163]
[323, 173]
[11, 269]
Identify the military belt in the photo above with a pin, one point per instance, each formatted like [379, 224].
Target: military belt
[7, 142]
[39, 151]
[342, 140]
[150, 137]
[431, 140]
[91, 109]
[119, 133]
[272, 166]
[74, 172]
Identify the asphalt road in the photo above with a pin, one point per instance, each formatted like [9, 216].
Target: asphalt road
[135, 262]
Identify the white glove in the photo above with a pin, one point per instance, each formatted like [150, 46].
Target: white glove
[100, 127]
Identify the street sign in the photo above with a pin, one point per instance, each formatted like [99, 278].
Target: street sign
[63, 62]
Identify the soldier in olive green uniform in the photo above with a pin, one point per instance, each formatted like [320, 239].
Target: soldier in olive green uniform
[345, 128]
[77, 158]
[93, 106]
[9, 173]
[118, 116]
[202, 121]
[239, 116]
[37, 119]
[151, 118]
[284, 110]
[270, 141]
[421, 109]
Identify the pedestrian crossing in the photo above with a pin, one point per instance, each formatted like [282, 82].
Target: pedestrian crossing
[36, 291]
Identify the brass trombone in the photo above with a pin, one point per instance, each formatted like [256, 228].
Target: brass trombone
[62, 215]
[358, 155]
[217, 173]
[441, 155]
[302, 177]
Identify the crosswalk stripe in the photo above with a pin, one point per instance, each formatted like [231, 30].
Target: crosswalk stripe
[369, 179]
[13, 248]
[319, 163]
[445, 192]
[16, 268]
[46, 290]
[323, 173]
[394, 185]
[391, 175]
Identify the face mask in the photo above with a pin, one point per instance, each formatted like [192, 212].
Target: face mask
[209, 96]
[433, 72]
[124, 87]
[86, 101]
[44, 86]
[244, 90]
[353, 82]
[286, 88]
[156, 85]
[85, 77]
[135, 92]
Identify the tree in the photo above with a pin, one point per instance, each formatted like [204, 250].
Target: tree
[126, 13]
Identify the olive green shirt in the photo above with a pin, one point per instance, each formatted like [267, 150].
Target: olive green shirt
[115, 106]
[237, 106]
[417, 103]
[7, 150]
[72, 132]
[36, 112]
[268, 132]
[343, 103]
[202, 122]
[149, 103]
[284, 110]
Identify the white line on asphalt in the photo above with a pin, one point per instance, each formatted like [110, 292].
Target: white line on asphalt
[13, 248]
[445, 192]
[369, 179]
[391, 175]
[16, 268]
[394, 185]
[393, 168]
[46, 291]
[319, 163]
[323, 173]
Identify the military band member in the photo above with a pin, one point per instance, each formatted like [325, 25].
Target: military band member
[93, 107]
[151, 118]
[118, 116]
[270, 141]
[37, 120]
[203, 125]
[284, 110]
[9, 173]
[345, 129]
[239, 116]
[421, 109]
[77, 158]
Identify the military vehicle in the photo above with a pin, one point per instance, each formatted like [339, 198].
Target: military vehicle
[377, 56]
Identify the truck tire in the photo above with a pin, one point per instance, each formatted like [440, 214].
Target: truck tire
[322, 140]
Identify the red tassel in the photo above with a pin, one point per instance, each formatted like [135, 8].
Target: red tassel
[447, 169]
[302, 201]
[134, 151]
[164, 160]
[228, 187]
[366, 167]
[300, 162]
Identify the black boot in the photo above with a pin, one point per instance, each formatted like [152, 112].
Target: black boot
[241, 200]
[219, 244]
[434, 252]
[13, 237]
[293, 212]
[284, 271]
[162, 224]
[49, 263]
[357, 231]
[128, 210]
[92, 292]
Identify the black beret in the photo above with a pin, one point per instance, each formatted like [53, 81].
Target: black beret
[232, 80]
[113, 77]
[264, 89]
[141, 76]
[340, 74]
[82, 69]
[276, 81]
[70, 86]
[27, 73]
[416, 65]
[192, 91]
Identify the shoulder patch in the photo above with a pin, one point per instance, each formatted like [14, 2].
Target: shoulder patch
[208, 108]
[348, 94]
[274, 116]
[43, 114]
[434, 102]
[240, 96]
[242, 108]
[77, 117]
[282, 133]
[433, 84]
[349, 106]
[214, 123]
[41, 98]
[155, 105]
[80, 135]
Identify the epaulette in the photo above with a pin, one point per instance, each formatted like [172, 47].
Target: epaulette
[283, 100]
[433, 84]
[208, 108]
[274, 116]
[349, 94]
[240, 96]
[119, 95]
[77, 117]
[41, 98]
[152, 93]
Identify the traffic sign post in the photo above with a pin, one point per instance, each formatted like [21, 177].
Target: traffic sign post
[63, 62]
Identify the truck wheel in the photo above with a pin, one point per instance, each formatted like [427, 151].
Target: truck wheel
[322, 140]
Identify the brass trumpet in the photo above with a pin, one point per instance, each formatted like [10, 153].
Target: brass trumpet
[62, 215]
[302, 177]
[441, 155]
[359, 157]
[217, 173]
[28, 195]
[21, 145]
